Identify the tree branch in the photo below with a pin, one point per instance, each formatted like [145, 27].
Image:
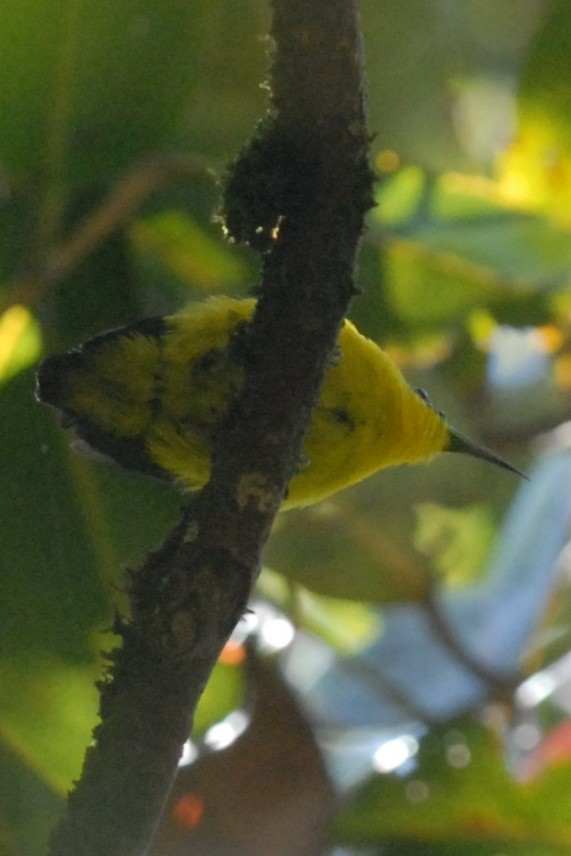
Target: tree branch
[299, 192]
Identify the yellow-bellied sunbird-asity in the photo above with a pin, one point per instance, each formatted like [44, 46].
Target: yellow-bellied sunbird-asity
[151, 395]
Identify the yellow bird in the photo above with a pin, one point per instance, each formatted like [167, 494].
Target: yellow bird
[150, 396]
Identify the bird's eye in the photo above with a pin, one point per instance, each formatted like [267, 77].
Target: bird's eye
[424, 395]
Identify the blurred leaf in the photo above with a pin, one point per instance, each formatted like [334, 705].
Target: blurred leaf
[221, 695]
[459, 246]
[524, 253]
[19, 341]
[347, 626]
[32, 52]
[443, 270]
[188, 250]
[482, 847]
[458, 540]
[422, 130]
[460, 794]
[268, 792]
[57, 582]
[337, 550]
[51, 595]
[398, 196]
[48, 710]
[18, 224]
[88, 521]
[103, 83]
[536, 169]
[100, 294]
[359, 545]
[552, 750]
[27, 806]
[414, 671]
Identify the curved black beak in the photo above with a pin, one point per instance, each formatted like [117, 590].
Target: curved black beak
[459, 443]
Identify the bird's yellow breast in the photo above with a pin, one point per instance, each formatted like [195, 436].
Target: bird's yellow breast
[366, 418]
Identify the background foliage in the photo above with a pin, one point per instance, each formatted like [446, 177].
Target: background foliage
[421, 616]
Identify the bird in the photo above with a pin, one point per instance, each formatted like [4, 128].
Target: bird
[151, 395]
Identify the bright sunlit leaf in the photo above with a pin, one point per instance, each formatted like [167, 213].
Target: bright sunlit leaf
[535, 169]
[457, 539]
[221, 696]
[399, 196]
[186, 249]
[20, 341]
[349, 626]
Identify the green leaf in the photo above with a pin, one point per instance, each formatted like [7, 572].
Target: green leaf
[536, 168]
[399, 196]
[460, 794]
[340, 551]
[441, 271]
[222, 694]
[81, 75]
[20, 343]
[458, 540]
[28, 806]
[184, 247]
[68, 530]
[347, 626]
[48, 710]
[52, 596]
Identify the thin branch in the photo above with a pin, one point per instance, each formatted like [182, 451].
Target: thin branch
[359, 669]
[499, 684]
[310, 161]
[115, 210]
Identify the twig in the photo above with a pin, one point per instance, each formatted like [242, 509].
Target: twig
[115, 209]
[375, 681]
[500, 684]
